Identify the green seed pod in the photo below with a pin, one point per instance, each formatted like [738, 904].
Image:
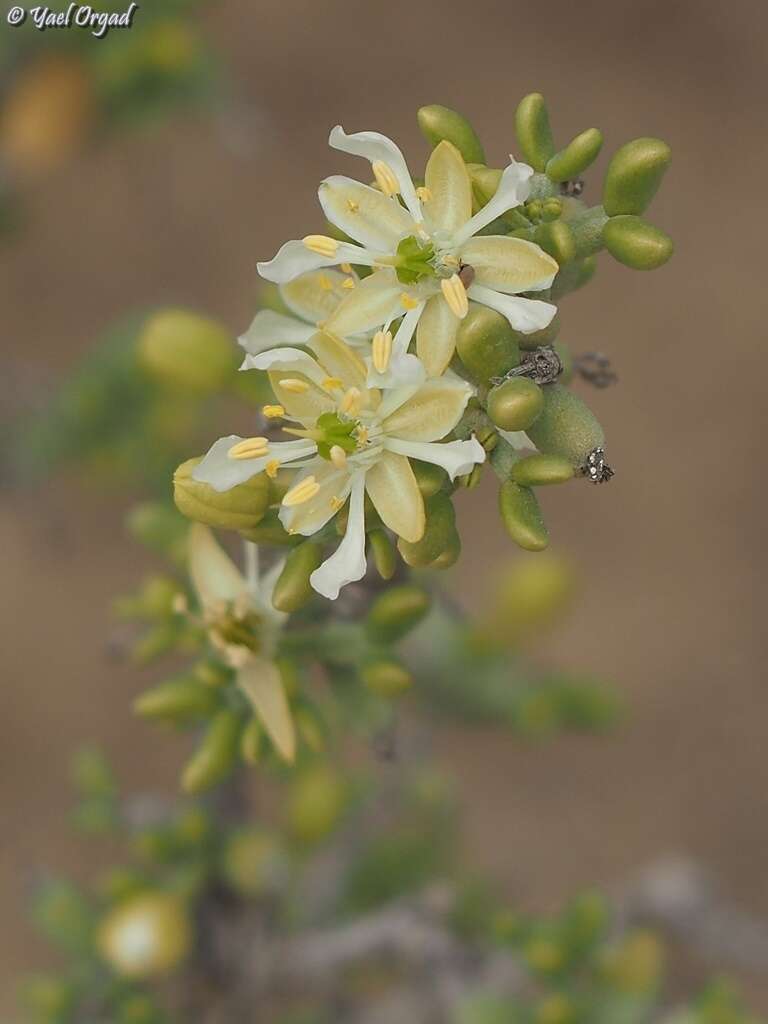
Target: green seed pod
[241, 508]
[397, 611]
[566, 426]
[534, 135]
[540, 470]
[634, 175]
[315, 803]
[546, 335]
[576, 157]
[486, 344]
[429, 477]
[440, 519]
[521, 515]
[185, 351]
[552, 208]
[587, 228]
[556, 238]
[383, 551]
[438, 123]
[636, 243]
[515, 404]
[485, 181]
[292, 590]
[572, 277]
[216, 756]
[386, 678]
[179, 700]
[250, 741]
[450, 554]
[270, 531]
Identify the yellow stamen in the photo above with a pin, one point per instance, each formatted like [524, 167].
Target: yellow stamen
[333, 384]
[381, 350]
[273, 412]
[455, 295]
[350, 403]
[295, 386]
[449, 260]
[346, 267]
[386, 178]
[322, 245]
[361, 436]
[249, 448]
[348, 282]
[336, 503]
[352, 206]
[338, 456]
[302, 492]
[408, 301]
[325, 283]
[271, 468]
[424, 194]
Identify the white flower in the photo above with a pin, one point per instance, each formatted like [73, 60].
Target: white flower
[428, 257]
[352, 439]
[243, 625]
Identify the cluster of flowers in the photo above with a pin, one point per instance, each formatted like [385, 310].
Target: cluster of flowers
[359, 406]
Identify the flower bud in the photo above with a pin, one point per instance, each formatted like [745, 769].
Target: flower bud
[634, 175]
[293, 590]
[215, 757]
[440, 518]
[540, 470]
[397, 611]
[241, 508]
[566, 426]
[521, 515]
[576, 157]
[450, 553]
[429, 477]
[383, 551]
[179, 700]
[556, 238]
[186, 351]
[145, 936]
[315, 802]
[534, 135]
[529, 594]
[515, 404]
[545, 336]
[636, 243]
[438, 123]
[47, 114]
[486, 343]
[572, 277]
[253, 862]
[386, 678]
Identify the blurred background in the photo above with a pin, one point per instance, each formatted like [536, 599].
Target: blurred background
[176, 208]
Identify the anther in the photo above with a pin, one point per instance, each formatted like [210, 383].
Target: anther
[348, 282]
[386, 178]
[346, 267]
[322, 245]
[407, 301]
[350, 403]
[273, 412]
[302, 492]
[381, 350]
[338, 456]
[249, 448]
[424, 193]
[333, 384]
[455, 295]
[295, 386]
[271, 468]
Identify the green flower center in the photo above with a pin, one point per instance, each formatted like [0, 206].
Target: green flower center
[331, 430]
[415, 260]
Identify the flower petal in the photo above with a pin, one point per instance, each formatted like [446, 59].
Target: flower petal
[294, 364]
[509, 264]
[314, 296]
[347, 564]
[436, 336]
[365, 214]
[295, 258]
[373, 146]
[447, 179]
[518, 439]
[214, 575]
[392, 488]
[312, 515]
[431, 413]
[260, 681]
[525, 315]
[339, 360]
[270, 329]
[455, 457]
[513, 190]
[374, 302]
[222, 473]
